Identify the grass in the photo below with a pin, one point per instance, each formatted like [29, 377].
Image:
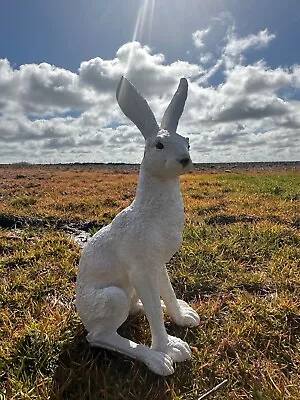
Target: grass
[238, 266]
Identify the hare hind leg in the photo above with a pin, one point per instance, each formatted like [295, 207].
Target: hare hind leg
[105, 311]
[102, 310]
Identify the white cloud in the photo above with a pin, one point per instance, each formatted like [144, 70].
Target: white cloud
[42, 89]
[228, 48]
[256, 78]
[236, 46]
[296, 75]
[205, 58]
[198, 37]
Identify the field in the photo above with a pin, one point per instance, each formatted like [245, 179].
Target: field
[238, 267]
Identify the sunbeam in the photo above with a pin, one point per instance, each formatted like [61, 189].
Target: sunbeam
[143, 27]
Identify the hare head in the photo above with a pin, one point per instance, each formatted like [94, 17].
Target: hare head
[166, 152]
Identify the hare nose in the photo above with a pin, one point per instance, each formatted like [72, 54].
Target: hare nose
[184, 161]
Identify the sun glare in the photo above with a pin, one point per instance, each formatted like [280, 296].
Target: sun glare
[143, 25]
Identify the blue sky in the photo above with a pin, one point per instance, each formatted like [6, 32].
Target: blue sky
[60, 62]
[64, 33]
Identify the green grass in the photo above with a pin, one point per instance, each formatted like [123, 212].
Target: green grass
[283, 186]
[238, 267]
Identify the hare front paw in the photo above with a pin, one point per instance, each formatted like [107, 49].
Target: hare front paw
[176, 348]
[160, 363]
[186, 316]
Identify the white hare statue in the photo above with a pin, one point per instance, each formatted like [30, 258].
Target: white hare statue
[122, 268]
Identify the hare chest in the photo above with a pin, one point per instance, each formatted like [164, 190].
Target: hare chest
[167, 231]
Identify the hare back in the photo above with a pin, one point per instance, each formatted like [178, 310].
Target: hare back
[99, 263]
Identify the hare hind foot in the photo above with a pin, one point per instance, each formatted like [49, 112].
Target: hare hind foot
[158, 362]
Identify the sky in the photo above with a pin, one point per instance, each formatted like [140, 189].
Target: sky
[61, 61]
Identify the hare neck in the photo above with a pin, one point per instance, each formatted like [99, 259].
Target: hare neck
[157, 192]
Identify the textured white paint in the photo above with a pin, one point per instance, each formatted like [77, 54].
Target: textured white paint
[122, 268]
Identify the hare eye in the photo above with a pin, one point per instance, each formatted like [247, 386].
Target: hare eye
[159, 145]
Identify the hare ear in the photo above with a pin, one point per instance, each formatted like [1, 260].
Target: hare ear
[136, 108]
[175, 108]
